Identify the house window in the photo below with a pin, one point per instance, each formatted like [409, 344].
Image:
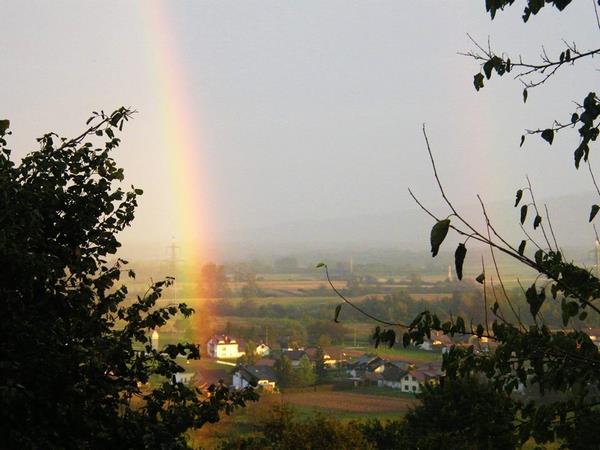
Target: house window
[405, 388]
[406, 377]
[414, 388]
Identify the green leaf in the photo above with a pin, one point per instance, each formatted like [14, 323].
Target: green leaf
[338, 308]
[583, 315]
[594, 211]
[580, 152]
[391, 338]
[487, 68]
[522, 247]
[406, 339]
[479, 330]
[321, 264]
[534, 299]
[523, 214]
[548, 135]
[574, 118]
[4, 125]
[518, 197]
[438, 234]
[480, 278]
[459, 259]
[524, 95]
[537, 221]
[478, 81]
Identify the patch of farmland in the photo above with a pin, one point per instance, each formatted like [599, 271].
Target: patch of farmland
[431, 297]
[294, 285]
[349, 402]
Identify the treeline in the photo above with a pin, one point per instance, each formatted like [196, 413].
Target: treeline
[401, 307]
[293, 333]
[398, 306]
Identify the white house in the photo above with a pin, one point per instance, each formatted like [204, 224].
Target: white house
[411, 383]
[262, 350]
[426, 345]
[184, 377]
[392, 376]
[223, 347]
[262, 377]
[414, 379]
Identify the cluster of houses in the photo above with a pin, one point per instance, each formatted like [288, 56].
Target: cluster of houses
[372, 370]
[262, 373]
[365, 370]
[226, 347]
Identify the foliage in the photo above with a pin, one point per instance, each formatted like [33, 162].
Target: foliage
[283, 370]
[382, 435]
[460, 414]
[320, 370]
[305, 374]
[75, 350]
[283, 430]
[557, 364]
[213, 281]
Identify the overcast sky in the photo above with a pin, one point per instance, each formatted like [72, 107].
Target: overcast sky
[305, 110]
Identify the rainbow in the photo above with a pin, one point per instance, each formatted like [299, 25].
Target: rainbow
[180, 137]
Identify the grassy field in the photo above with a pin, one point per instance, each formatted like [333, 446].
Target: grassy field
[291, 300]
[397, 353]
[343, 405]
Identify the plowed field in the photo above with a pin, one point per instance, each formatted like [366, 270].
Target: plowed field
[349, 402]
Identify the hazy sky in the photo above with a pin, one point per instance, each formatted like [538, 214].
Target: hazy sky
[304, 110]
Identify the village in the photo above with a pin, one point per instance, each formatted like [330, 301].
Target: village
[272, 369]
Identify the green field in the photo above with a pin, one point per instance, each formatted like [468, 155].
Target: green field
[399, 353]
